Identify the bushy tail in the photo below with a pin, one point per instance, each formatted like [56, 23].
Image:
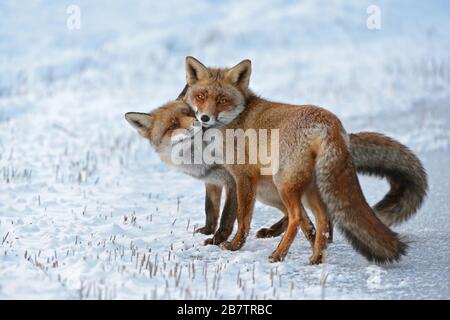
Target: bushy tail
[378, 155]
[342, 195]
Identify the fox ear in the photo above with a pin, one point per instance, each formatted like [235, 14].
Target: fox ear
[239, 75]
[195, 71]
[183, 93]
[142, 122]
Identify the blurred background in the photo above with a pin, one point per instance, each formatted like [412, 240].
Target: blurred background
[69, 70]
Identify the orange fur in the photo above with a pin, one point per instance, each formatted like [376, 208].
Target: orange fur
[313, 146]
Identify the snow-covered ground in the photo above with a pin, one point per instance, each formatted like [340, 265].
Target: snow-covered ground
[88, 211]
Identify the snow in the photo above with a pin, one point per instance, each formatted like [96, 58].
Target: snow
[88, 211]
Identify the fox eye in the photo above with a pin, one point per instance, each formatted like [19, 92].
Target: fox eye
[200, 97]
[173, 126]
[223, 101]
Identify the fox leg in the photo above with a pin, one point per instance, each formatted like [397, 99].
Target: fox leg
[246, 196]
[330, 232]
[268, 194]
[212, 208]
[275, 230]
[280, 226]
[295, 210]
[228, 216]
[322, 224]
[291, 184]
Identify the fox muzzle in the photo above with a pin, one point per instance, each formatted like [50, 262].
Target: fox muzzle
[205, 119]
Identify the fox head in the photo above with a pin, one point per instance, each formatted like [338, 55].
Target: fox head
[217, 96]
[166, 126]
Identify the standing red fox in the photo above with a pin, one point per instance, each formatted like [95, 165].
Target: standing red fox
[314, 155]
[372, 153]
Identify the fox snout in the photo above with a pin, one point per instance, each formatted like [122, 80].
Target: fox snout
[205, 119]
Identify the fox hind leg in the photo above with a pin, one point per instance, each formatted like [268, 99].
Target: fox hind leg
[279, 227]
[330, 232]
[323, 223]
[295, 211]
[290, 187]
[275, 230]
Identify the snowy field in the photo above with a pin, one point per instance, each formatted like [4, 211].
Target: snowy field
[88, 211]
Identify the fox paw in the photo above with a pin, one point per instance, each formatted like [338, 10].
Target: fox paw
[216, 240]
[276, 257]
[264, 233]
[316, 259]
[231, 245]
[205, 230]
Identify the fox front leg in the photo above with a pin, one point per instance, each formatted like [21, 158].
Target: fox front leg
[246, 196]
[212, 208]
[228, 216]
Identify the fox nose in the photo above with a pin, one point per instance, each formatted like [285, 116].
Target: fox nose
[204, 118]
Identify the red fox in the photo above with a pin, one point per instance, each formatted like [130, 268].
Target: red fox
[314, 155]
[159, 126]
